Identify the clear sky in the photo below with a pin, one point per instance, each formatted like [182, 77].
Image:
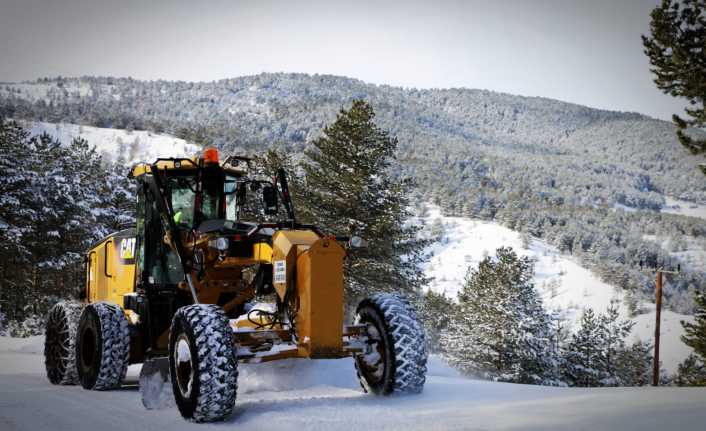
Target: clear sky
[587, 52]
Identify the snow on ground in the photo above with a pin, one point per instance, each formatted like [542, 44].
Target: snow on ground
[131, 146]
[565, 286]
[324, 395]
[691, 209]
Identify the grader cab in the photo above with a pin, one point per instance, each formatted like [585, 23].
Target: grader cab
[185, 289]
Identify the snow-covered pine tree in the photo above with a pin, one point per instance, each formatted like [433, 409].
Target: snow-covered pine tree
[539, 358]
[436, 313]
[57, 199]
[634, 364]
[500, 330]
[582, 360]
[613, 332]
[348, 187]
[597, 354]
[695, 336]
[677, 57]
[116, 206]
[692, 372]
[16, 220]
[62, 196]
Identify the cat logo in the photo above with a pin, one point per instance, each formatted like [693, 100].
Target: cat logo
[127, 249]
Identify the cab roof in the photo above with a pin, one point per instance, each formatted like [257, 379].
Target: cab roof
[208, 158]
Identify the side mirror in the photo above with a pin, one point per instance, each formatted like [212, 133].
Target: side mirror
[357, 242]
[269, 200]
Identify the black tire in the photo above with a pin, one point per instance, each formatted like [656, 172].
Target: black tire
[60, 343]
[202, 363]
[102, 346]
[397, 358]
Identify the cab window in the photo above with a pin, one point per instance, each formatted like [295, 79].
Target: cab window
[183, 192]
[210, 198]
[229, 192]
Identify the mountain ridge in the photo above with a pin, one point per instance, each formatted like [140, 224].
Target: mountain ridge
[341, 77]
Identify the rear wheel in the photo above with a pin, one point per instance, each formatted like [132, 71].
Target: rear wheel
[395, 358]
[202, 363]
[60, 343]
[102, 346]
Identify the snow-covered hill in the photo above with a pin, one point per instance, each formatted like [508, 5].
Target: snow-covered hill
[324, 395]
[45, 91]
[118, 145]
[565, 286]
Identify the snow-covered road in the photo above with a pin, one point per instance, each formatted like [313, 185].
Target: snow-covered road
[324, 395]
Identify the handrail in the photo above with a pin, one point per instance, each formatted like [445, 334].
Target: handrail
[87, 290]
[105, 261]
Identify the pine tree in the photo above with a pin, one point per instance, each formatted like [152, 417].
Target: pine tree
[117, 199]
[16, 219]
[634, 364]
[501, 330]
[597, 354]
[436, 313]
[349, 187]
[57, 200]
[693, 370]
[613, 348]
[582, 363]
[677, 52]
[695, 336]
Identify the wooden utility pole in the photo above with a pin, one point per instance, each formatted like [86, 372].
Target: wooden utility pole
[658, 305]
[658, 314]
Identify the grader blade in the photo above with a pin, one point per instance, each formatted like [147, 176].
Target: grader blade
[155, 385]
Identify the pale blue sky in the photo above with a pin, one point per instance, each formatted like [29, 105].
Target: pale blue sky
[587, 52]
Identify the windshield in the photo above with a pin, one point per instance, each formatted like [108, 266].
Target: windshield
[183, 196]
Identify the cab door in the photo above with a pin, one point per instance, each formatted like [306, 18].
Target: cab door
[122, 266]
[105, 269]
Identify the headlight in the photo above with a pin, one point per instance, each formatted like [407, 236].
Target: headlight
[219, 243]
[222, 244]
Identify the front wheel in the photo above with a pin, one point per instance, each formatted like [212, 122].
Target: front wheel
[395, 359]
[202, 363]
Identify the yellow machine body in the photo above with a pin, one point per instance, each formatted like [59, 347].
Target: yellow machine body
[320, 289]
[313, 268]
[111, 268]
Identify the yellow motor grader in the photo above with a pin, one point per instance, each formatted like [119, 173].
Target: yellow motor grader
[181, 288]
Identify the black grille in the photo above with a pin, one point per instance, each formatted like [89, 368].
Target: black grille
[240, 249]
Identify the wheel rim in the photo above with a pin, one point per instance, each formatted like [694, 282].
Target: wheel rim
[183, 365]
[372, 361]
